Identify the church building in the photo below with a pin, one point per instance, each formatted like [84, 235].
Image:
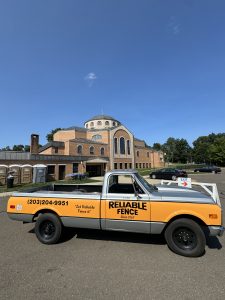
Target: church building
[102, 144]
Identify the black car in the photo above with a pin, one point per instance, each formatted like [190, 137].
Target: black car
[168, 174]
[208, 169]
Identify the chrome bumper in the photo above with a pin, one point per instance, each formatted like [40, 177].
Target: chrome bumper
[216, 230]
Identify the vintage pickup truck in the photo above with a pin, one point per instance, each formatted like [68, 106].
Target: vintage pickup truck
[125, 202]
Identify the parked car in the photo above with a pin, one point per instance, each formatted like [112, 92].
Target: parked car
[168, 174]
[208, 169]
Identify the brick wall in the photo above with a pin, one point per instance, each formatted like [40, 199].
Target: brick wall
[104, 134]
[52, 151]
[139, 143]
[143, 159]
[86, 149]
[80, 134]
[156, 161]
[64, 135]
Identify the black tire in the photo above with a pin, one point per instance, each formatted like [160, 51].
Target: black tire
[48, 228]
[185, 237]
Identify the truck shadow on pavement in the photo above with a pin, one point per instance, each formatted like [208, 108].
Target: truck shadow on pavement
[213, 242]
[90, 234]
[117, 236]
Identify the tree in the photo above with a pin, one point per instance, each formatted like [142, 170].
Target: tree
[210, 149]
[18, 148]
[7, 148]
[183, 151]
[157, 146]
[49, 136]
[27, 148]
[177, 150]
[201, 150]
[217, 151]
[170, 149]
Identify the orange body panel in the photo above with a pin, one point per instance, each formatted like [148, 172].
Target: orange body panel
[165, 211]
[127, 210]
[63, 207]
[116, 209]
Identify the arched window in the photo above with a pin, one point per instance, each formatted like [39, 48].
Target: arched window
[79, 149]
[107, 123]
[114, 123]
[92, 124]
[102, 151]
[128, 147]
[96, 137]
[137, 153]
[115, 146]
[92, 150]
[86, 125]
[122, 145]
[99, 123]
[147, 154]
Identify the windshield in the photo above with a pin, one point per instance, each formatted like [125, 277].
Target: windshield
[149, 187]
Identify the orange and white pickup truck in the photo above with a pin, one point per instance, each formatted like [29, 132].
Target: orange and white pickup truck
[125, 202]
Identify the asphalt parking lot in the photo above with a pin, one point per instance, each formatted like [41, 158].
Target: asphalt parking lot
[107, 265]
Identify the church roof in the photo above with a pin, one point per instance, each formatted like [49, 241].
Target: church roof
[87, 141]
[75, 128]
[51, 144]
[102, 117]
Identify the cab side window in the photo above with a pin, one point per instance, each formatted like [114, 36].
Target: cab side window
[123, 184]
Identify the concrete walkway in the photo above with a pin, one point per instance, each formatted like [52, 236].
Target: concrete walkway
[5, 194]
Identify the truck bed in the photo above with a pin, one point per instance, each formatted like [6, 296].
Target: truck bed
[66, 188]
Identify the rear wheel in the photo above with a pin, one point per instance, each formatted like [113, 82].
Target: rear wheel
[48, 228]
[185, 237]
[153, 176]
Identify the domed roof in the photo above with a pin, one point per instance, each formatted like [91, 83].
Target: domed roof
[102, 117]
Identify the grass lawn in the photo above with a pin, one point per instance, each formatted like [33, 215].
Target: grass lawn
[22, 187]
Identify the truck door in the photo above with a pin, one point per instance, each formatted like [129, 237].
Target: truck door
[127, 207]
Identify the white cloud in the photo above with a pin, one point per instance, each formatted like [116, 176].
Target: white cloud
[90, 78]
[173, 26]
[176, 29]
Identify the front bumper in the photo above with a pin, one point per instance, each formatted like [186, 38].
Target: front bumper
[216, 230]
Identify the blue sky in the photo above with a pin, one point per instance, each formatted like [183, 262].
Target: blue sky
[157, 66]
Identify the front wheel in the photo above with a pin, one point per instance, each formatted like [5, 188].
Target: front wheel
[48, 228]
[185, 237]
[153, 176]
